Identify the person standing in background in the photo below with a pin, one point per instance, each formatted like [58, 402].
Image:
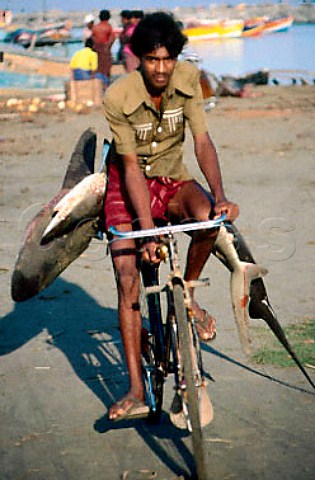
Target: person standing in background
[130, 61]
[125, 16]
[83, 64]
[88, 26]
[103, 38]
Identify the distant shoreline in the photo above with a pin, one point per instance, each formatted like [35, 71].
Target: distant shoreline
[304, 13]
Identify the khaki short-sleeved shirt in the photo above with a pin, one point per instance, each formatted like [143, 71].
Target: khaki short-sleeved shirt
[156, 137]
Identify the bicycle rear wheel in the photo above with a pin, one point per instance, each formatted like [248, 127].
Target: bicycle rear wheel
[189, 364]
[152, 342]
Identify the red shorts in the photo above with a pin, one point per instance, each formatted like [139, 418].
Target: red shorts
[117, 207]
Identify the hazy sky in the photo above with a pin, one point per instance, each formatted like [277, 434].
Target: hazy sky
[37, 5]
[85, 6]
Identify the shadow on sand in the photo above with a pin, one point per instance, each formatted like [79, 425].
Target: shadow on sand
[217, 353]
[88, 335]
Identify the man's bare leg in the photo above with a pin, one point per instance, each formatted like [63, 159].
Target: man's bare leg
[128, 284]
[192, 202]
[199, 252]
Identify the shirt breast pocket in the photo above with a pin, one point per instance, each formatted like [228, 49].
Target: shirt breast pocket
[143, 132]
[173, 121]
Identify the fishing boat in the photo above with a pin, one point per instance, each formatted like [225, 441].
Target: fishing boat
[254, 31]
[254, 26]
[211, 29]
[278, 24]
[261, 25]
[48, 34]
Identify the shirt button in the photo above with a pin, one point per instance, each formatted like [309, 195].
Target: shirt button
[148, 168]
[160, 129]
[154, 144]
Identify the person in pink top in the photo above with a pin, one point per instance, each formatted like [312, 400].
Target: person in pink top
[125, 16]
[130, 61]
[103, 38]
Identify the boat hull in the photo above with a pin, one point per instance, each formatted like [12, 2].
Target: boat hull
[253, 31]
[49, 34]
[279, 25]
[214, 30]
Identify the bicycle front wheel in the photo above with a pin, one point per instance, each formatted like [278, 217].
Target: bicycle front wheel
[187, 353]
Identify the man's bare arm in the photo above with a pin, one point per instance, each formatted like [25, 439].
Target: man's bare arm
[209, 165]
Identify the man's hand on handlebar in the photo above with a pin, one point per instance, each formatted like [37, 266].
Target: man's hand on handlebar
[230, 209]
[150, 251]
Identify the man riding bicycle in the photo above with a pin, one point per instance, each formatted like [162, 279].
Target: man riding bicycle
[147, 111]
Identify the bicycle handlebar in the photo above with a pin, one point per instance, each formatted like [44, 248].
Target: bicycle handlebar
[168, 229]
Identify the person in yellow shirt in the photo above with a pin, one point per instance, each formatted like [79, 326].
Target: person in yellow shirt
[84, 62]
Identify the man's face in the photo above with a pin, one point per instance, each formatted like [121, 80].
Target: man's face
[157, 68]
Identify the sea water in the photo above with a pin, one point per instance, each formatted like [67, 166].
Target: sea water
[291, 50]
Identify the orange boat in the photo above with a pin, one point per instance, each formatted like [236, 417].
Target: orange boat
[258, 25]
[278, 25]
[255, 21]
[253, 31]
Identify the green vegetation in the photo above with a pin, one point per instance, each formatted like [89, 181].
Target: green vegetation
[301, 337]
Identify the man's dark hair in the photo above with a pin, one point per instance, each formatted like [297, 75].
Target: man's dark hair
[137, 14]
[104, 15]
[126, 14]
[157, 30]
[89, 42]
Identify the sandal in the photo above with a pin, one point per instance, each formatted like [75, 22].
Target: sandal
[128, 408]
[206, 327]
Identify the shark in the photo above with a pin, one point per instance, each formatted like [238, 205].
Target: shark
[82, 202]
[248, 292]
[37, 264]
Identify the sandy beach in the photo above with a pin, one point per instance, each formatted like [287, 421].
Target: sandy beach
[62, 367]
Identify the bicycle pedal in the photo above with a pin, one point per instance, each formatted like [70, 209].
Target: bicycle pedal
[201, 282]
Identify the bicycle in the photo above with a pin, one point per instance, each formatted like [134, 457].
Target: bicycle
[170, 343]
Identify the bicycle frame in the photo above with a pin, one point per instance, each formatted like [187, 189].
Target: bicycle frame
[177, 335]
[165, 334]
